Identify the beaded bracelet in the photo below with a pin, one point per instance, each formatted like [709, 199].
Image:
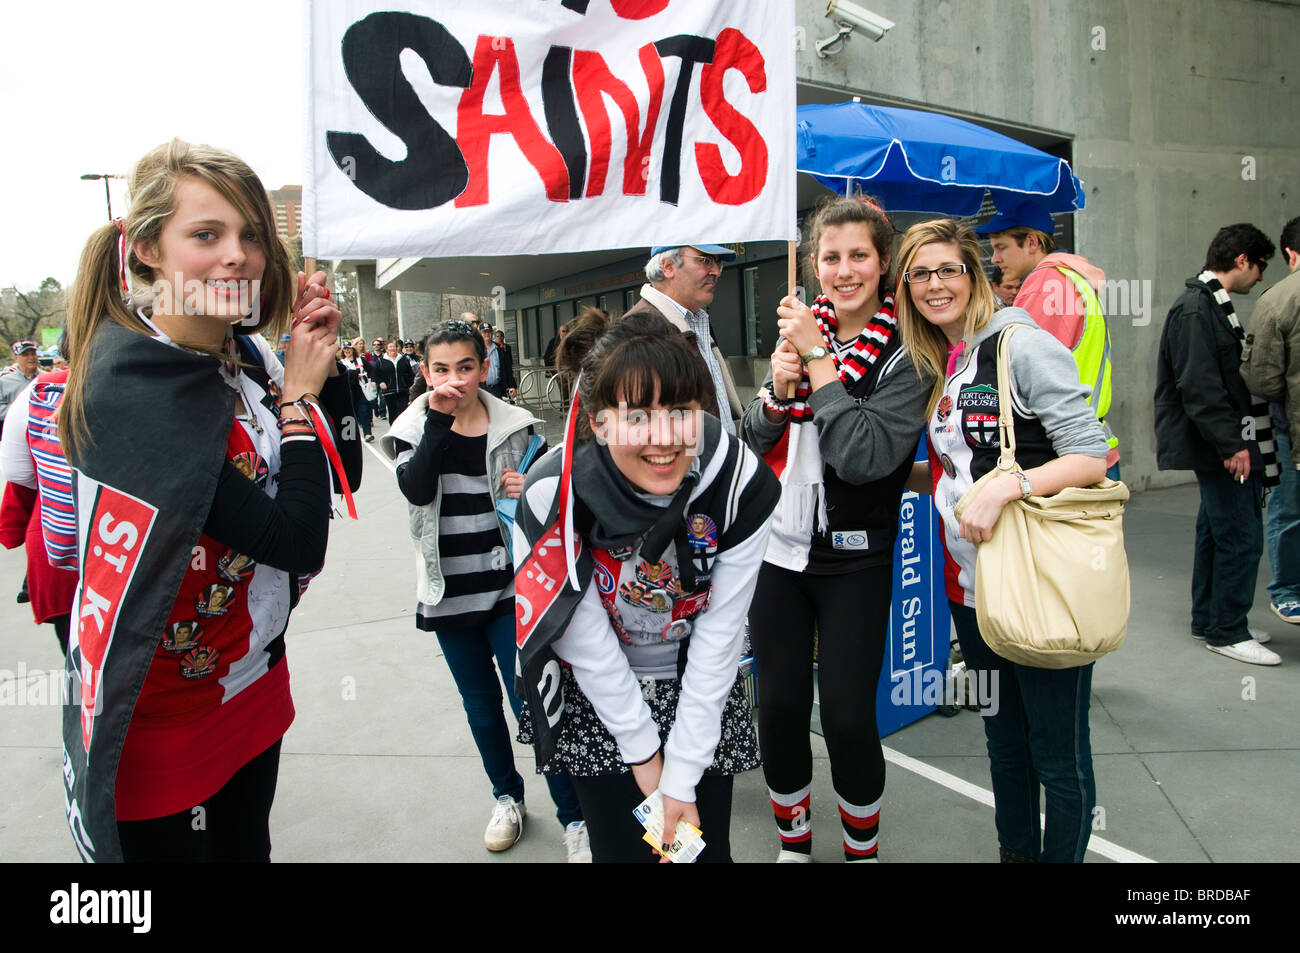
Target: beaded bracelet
[776, 404]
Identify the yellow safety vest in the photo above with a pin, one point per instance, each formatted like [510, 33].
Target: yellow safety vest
[1092, 353]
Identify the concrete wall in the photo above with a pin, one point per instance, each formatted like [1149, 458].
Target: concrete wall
[1167, 119]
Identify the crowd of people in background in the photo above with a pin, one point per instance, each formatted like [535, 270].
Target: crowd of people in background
[688, 505]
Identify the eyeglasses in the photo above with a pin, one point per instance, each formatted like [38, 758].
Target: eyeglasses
[919, 276]
[1261, 265]
[708, 264]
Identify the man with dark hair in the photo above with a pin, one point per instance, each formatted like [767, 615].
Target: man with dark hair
[1059, 290]
[1206, 421]
[1271, 369]
[373, 358]
[507, 359]
[682, 281]
[1004, 288]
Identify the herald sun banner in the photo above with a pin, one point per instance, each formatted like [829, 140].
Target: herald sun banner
[494, 127]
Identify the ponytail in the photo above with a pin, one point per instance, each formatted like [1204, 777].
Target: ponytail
[97, 295]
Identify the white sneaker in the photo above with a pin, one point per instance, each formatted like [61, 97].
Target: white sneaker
[576, 843]
[1259, 635]
[506, 825]
[1248, 651]
[793, 857]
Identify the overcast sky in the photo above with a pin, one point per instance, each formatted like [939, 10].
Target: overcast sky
[92, 86]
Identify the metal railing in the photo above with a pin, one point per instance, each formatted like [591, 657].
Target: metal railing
[540, 387]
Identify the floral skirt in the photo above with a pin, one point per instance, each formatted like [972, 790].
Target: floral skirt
[586, 749]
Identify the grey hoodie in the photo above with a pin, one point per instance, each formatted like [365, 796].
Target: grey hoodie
[1045, 384]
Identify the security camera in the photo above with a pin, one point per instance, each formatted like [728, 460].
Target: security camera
[872, 25]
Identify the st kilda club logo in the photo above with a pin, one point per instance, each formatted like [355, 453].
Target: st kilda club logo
[977, 409]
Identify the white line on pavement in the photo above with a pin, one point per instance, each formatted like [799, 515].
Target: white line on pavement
[1121, 855]
[380, 457]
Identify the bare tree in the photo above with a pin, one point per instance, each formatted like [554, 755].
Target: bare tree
[23, 313]
[344, 284]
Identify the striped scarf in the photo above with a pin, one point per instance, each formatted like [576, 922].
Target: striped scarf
[862, 353]
[1258, 408]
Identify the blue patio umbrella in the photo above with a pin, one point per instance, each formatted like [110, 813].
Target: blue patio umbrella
[925, 162]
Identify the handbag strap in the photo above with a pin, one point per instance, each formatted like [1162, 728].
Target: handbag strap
[1006, 419]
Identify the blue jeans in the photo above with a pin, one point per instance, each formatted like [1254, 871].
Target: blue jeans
[469, 654]
[1283, 529]
[1038, 735]
[364, 415]
[1229, 542]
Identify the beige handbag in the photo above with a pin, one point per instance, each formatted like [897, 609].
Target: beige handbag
[1052, 585]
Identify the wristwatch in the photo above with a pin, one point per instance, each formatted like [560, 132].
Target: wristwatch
[1026, 490]
[818, 352]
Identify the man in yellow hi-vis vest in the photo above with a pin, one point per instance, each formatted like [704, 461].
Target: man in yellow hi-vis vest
[1060, 292]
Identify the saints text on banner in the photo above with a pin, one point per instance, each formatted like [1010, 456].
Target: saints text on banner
[504, 127]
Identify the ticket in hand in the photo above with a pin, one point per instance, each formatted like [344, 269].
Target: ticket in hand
[687, 841]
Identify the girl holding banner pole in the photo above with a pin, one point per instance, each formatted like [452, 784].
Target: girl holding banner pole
[202, 480]
[843, 448]
[636, 545]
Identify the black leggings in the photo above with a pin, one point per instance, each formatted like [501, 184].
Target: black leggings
[850, 613]
[607, 804]
[233, 825]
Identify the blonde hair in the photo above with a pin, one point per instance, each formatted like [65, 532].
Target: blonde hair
[926, 344]
[97, 294]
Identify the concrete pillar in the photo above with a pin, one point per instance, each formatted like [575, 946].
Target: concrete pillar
[419, 311]
[374, 306]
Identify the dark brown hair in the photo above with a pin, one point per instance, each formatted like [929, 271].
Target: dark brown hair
[632, 360]
[860, 210]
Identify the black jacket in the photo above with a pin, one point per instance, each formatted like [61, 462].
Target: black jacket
[1202, 411]
[398, 378]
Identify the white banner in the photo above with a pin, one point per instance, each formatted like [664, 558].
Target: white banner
[498, 127]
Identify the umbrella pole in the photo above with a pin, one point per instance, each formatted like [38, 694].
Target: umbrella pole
[791, 280]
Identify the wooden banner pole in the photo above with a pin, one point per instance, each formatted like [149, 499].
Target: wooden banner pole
[791, 280]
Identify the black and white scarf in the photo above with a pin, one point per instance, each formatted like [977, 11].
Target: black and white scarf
[1258, 408]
